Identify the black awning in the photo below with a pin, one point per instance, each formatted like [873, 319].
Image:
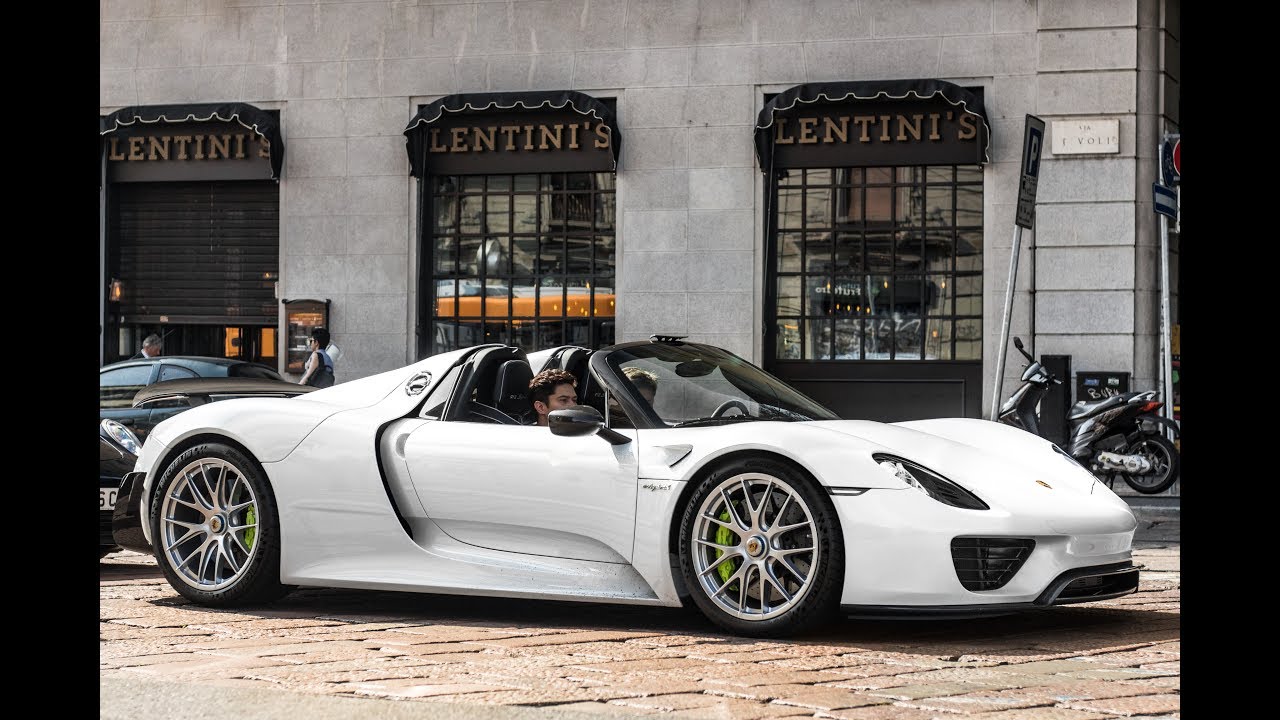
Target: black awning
[488, 102]
[260, 121]
[834, 92]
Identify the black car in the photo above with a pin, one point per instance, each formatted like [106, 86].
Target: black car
[118, 383]
[121, 521]
[117, 451]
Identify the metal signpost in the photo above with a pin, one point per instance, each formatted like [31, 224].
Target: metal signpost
[1032, 144]
[1166, 204]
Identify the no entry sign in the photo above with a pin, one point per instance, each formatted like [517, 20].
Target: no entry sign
[1171, 159]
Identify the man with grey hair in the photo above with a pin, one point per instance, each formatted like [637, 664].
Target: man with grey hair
[151, 347]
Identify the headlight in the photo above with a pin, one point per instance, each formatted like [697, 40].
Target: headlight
[123, 436]
[930, 483]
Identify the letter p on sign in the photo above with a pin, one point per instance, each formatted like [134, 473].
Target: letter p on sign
[1032, 143]
[1031, 152]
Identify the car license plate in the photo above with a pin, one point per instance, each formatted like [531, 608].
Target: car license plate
[107, 498]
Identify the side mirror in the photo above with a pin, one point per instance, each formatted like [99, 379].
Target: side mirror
[1017, 342]
[581, 420]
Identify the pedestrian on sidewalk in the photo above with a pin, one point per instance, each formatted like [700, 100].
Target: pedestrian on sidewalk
[318, 371]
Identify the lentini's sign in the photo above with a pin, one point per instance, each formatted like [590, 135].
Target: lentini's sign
[170, 146]
[187, 151]
[501, 142]
[862, 133]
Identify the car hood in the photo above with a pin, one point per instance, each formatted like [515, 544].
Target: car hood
[1003, 465]
[979, 454]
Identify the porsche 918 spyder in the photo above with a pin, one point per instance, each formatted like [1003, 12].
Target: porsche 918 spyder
[719, 485]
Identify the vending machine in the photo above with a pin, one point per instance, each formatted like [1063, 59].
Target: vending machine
[301, 316]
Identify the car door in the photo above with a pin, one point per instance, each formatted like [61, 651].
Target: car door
[521, 489]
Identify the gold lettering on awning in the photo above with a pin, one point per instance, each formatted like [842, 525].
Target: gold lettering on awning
[170, 148]
[898, 128]
[550, 137]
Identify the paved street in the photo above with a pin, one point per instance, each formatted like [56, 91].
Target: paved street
[341, 653]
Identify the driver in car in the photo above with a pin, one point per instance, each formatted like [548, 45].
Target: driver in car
[552, 390]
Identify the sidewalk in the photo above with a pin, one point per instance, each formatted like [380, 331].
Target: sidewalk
[1158, 525]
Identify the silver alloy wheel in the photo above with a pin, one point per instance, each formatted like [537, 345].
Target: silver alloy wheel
[754, 546]
[208, 524]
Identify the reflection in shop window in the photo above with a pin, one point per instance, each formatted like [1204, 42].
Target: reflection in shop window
[879, 263]
[523, 259]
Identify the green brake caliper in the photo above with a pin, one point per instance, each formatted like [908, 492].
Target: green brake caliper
[725, 536]
[250, 518]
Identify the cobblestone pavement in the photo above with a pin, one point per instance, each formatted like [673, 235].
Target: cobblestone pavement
[1111, 659]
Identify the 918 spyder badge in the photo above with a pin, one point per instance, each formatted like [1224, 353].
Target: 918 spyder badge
[655, 486]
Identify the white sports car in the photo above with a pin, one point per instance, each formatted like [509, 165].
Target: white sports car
[731, 490]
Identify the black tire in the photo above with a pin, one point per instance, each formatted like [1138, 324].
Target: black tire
[813, 581]
[104, 550]
[236, 519]
[1162, 454]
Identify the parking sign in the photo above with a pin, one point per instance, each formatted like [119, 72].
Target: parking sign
[1032, 145]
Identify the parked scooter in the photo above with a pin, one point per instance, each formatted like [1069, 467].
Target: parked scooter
[1123, 435]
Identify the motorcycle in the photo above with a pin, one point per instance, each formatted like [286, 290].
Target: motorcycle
[1123, 435]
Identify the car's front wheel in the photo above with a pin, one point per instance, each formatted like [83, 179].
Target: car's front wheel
[761, 550]
[216, 529]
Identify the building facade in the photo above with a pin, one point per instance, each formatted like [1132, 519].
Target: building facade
[825, 187]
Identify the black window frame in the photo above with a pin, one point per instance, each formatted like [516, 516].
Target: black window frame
[839, 184]
[551, 191]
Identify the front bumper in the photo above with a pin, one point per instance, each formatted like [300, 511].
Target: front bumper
[1089, 584]
[126, 519]
[900, 556]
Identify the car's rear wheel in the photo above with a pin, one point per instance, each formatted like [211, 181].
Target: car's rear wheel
[216, 529]
[761, 550]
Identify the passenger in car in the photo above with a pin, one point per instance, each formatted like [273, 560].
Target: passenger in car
[552, 390]
[646, 384]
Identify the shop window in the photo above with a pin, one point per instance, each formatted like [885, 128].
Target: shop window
[524, 260]
[231, 341]
[267, 342]
[879, 263]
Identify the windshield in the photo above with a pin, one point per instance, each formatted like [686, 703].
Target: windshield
[693, 384]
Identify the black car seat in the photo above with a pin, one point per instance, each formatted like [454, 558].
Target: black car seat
[511, 390]
[575, 360]
[590, 392]
[476, 399]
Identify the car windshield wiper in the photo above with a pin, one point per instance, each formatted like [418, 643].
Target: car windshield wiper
[722, 420]
[777, 413]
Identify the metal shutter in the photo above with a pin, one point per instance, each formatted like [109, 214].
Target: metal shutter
[198, 252]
